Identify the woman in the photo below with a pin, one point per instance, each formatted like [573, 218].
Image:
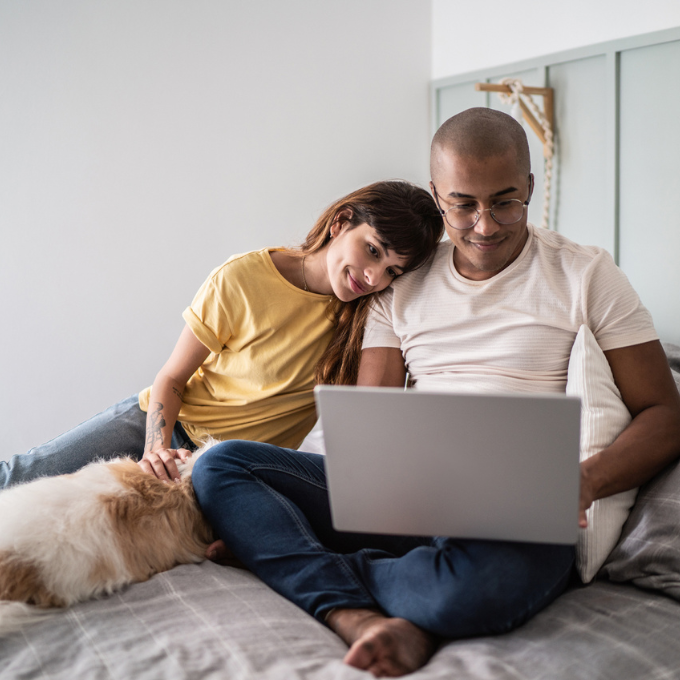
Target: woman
[262, 329]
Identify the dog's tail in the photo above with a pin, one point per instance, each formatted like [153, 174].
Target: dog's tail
[15, 615]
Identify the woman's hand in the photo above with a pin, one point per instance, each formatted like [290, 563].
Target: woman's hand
[165, 402]
[161, 463]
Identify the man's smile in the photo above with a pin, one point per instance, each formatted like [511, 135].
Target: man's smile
[486, 245]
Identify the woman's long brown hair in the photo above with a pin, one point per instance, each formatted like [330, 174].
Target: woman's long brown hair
[408, 222]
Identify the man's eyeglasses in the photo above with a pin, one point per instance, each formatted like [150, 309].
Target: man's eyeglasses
[466, 215]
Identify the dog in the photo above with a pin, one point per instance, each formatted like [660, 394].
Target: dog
[84, 535]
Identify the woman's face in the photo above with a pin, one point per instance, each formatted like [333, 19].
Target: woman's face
[359, 263]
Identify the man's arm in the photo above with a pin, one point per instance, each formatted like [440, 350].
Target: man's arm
[651, 441]
[382, 367]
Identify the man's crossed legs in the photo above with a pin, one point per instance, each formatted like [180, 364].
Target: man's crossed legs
[389, 597]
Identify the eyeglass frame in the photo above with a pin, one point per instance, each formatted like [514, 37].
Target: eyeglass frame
[479, 212]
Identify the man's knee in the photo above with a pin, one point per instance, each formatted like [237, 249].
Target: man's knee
[209, 470]
[230, 461]
[493, 594]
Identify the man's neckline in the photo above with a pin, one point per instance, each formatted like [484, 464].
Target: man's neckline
[503, 272]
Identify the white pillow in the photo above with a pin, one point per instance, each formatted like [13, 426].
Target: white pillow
[313, 442]
[603, 417]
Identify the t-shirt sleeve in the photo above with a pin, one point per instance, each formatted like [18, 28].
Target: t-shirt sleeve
[613, 310]
[379, 331]
[207, 316]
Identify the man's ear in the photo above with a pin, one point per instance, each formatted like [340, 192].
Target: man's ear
[531, 186]
[433, 191]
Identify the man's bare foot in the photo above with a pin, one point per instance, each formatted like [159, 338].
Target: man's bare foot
[387, 647]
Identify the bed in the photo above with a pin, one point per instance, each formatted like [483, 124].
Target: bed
[206, 621]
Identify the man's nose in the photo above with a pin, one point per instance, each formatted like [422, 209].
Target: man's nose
[486, 225]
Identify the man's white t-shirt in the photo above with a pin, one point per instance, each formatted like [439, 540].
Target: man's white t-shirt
[513, 332]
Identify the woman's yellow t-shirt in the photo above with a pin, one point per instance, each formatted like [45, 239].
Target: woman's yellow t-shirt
[265, 337]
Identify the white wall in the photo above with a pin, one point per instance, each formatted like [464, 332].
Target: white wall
[143, 142]
[467, 36]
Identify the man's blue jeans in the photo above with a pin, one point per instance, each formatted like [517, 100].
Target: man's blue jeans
[118, 431]
[270, 506]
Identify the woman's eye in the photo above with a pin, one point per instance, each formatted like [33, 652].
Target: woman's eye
[392, 273]
[373, 250]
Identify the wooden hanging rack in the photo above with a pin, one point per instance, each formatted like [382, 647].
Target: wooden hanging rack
[548, 94]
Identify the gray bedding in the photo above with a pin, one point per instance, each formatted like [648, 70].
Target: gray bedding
[206, 621]
[209, 622]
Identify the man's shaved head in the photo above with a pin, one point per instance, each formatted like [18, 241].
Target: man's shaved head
[481, 133]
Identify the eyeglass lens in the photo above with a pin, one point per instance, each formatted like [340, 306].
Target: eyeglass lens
[504, 212]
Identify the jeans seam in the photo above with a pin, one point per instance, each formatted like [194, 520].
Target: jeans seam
[287, 471]
[372, 560]
[337, 558]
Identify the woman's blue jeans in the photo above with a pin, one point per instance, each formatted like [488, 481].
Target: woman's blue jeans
[270, 506]
[118, 431]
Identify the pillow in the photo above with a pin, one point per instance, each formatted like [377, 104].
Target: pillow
[313, 442]
[603, 417]
[673, 356]
[648, 553]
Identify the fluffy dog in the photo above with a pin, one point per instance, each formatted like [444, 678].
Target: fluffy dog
[74, 537]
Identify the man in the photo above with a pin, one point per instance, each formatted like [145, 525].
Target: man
[497, 309]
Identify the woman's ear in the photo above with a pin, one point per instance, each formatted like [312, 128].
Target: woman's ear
[341, 220]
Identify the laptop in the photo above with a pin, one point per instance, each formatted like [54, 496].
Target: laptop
[501, 466]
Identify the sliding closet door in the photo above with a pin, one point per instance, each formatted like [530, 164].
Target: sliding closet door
[649, 216]
[580, 207]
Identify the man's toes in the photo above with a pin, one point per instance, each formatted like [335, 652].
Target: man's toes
[361, 655]
[377, 655]
[387, 668]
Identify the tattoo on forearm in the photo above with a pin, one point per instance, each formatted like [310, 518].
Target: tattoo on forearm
[177, 392]
[155, 424]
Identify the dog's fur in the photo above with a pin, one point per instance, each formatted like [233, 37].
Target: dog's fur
[70, 538]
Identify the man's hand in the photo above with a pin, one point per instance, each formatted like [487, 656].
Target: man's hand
[586, 498]
[161, 463]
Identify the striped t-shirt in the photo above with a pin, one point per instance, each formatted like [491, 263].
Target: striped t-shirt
[513, 332]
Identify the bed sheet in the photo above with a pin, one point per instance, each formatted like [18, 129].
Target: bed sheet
[203, 622]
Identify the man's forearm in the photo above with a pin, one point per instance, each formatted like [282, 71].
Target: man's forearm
[652, 439]
[644, 448]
